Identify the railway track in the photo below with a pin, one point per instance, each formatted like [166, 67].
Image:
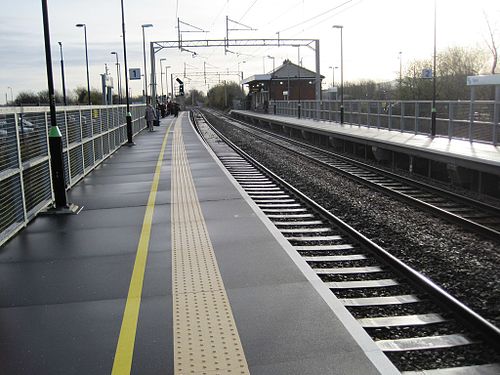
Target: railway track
[418, 325]
[471, 214]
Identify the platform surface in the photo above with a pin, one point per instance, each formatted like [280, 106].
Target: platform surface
[93, 293]
[476, 152]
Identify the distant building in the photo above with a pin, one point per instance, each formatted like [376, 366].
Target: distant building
[287, 82]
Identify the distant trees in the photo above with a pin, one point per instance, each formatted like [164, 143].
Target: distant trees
[492, 45]
[222, 95]
[453, 65]
[82, 96]
[195, 97]
[79, 96]
[36, 99]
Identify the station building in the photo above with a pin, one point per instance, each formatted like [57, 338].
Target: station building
[287, 82]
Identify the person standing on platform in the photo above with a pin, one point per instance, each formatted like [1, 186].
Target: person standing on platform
[150, 116]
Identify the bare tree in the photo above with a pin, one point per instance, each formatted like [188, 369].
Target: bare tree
[492, 45]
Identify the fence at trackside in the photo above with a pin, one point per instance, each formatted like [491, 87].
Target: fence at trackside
[89, 134]
[466, 120]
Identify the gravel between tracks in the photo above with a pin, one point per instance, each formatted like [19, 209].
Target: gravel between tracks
[463, 263]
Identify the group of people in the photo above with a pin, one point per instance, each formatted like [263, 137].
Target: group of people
[163, 110]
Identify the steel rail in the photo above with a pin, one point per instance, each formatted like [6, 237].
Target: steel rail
[433, 209]
[461, 312]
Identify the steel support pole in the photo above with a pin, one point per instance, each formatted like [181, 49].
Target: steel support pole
[341, 77]
[433, 110]
[496, 115]
[119, 83]
[318, 81]
[62, 74]
[87, 62]
[166, 80]
[161, 78]
[172, 85]
[55, 137]
[145, 67]
[153, 74]
[130, 142]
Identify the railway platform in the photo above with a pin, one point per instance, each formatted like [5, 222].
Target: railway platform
[170, 268]
[466, 163]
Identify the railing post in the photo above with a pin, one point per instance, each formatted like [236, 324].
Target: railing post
[450, 120]
[471, 110]
[368, 114]
[20, 167]
[417, 113]
[359, 113]
[378, 115]
[389, 125]
[402, 120]
[496, 114]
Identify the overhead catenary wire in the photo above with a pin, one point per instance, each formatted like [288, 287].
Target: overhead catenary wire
[317, 16]
[248, 10]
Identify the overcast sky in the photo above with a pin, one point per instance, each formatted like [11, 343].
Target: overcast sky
[375, 31]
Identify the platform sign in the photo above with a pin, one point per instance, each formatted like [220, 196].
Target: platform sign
[426, 73]
[134, 73]
[493, 79]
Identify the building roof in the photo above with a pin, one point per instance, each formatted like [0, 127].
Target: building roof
[284, 71]
[256, 77]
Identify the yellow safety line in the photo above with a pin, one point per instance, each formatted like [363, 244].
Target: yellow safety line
[122, 363]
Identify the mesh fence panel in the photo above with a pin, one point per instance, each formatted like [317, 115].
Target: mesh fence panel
[74, 129]
[32, 135]
[61, 124]
[11, 205]
[103, 128]
[88, 154]
[8, 142]
[96, 121]
[98, 150]
[86, 123]
[76, 162]
[37, 188]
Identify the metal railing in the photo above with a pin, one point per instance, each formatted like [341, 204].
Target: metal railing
[473, 121]
[89, 134]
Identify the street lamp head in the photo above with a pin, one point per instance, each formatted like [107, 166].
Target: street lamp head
[270, 57]
[80, 25]
[114, 53]
[147, 25]
[337, 26]
[60, 43]
[163, 59]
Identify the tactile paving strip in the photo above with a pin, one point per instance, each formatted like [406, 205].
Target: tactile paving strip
[206, 339]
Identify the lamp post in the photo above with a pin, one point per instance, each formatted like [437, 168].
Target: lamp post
[400, 68]
[144, 55]
[161, 76]
[55, 138]
[241, 72]
[166, 79]
[433, 110]
[62, 74]
[299, 83]
[333, 74]
[118, 78]
[341, 73]
[271, 57]
[130, 142]
[11, 94]
[86, 57]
